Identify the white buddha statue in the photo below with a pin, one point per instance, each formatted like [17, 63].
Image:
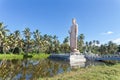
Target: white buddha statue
[73, 36]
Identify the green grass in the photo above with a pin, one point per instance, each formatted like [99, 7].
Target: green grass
[20, 56]
[91, 73]
[11, 56]
[40, 56]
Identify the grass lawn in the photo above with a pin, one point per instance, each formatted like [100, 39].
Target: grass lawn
[91, 73]
[11, 56]
[20, 56]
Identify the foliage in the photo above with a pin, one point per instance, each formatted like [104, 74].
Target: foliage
[65, 48]
[34, 42]
[81, 42]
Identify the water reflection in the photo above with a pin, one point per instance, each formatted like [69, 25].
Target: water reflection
[28, 69]
[77, 64]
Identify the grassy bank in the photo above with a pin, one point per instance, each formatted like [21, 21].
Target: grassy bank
[92, 73]
[40, 56]
[20, 56]
[11, 56]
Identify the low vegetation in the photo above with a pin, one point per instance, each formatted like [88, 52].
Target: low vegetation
[92, 73]
[20, 56]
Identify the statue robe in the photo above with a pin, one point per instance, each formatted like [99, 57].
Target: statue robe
[73, 36]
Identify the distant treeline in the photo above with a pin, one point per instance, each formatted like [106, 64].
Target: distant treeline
[34, 42]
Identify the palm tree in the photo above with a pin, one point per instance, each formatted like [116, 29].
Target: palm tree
[94, 41]
[3, 30]
[102, 50]
[11, 42]
[56, 44]
[37, 41]
[27, 35]
[112, 47]
[86, 46]
[118, 48]
[66, 40]
[81, 42]
[17, 41]
[17, 34]
[90, 46]
[3, 34]
[65, 47]
[97, 42]
[1, 37]
[47, 41]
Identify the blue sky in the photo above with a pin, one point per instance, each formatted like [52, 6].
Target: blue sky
[97, 19]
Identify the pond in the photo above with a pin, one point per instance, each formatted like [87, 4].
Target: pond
[29, 69]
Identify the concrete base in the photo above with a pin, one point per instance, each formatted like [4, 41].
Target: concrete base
[72, 57]
[77, 58]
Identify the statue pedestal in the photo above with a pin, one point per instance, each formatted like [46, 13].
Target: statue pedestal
[77, 57]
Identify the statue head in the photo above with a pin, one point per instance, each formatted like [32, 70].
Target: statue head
[73, 21]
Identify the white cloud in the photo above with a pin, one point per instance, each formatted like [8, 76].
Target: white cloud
[117, 41]
[107, 33]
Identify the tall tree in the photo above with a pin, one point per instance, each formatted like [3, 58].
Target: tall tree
[37, 41]
[18, 44]
[66, 40]
[86, 46]
[56, 44]
[118, 48]
[90, 46]
[97, 42]
[81, 42]
[65, 47]
[112, 47]
[3, 35]
[27, 35]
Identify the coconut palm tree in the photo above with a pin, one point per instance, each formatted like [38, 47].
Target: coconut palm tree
[17, 42]
[37, 41]
[112, 47]
[3, 34]
[86, 46]
[17, 35]
[1, 42]
[5, 45]
[56, 44]
[27, 35]
[65, 47]
[90, 46]
[11, 42]
[81, 38]
[47, 43]
[97, 42]
[3, 29]
[66, 40]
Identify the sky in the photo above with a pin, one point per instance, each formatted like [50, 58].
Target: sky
[96, 19]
